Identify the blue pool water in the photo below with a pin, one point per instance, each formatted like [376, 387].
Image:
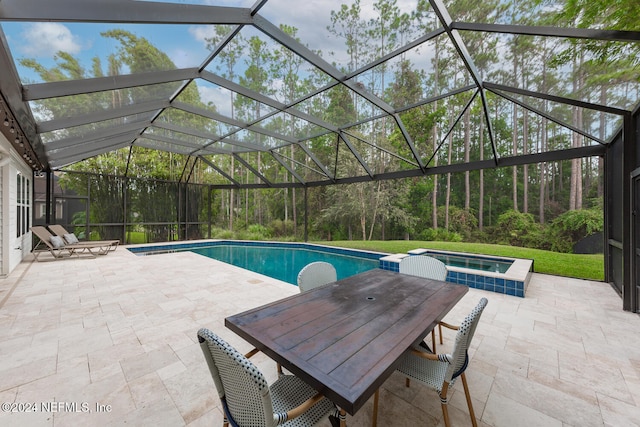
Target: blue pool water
[473, 262]
[280, 262]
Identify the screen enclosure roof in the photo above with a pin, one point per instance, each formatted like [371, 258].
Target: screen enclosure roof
[306, 93]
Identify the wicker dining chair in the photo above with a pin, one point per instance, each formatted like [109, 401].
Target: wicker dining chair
[316, 274]
[431, 268]
[246, 397]
[440, 371]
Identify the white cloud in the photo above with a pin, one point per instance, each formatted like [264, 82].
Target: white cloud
[216, 96]
[48, 38]
[200, 32]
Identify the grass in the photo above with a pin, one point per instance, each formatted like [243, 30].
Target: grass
[589, 267]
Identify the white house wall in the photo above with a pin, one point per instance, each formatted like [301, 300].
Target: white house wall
[12, 249]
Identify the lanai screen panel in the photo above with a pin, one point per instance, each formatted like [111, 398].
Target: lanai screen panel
[324, 91]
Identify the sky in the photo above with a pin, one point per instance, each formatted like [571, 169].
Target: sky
[184, 44]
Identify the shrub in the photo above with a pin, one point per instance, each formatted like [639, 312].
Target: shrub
[253, 232]
[280, 228]
[219, 233]
[462, 221]
[518, 229]
[567, 229]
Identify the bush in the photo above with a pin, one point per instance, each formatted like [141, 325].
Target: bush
[518, 229]
[461, 221]
[567, 229]
[280, 228]
[219, 233]
[253, 232]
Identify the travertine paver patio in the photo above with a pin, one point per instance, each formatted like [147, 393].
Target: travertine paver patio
[120, 331]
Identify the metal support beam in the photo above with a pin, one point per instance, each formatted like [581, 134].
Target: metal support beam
[101, 116]
[280, 160]
[546, 31]
[104, 147]
[220, 171]
[306, 214]
[254, 170]
[408, 140]
[453, 125]
[547, 116]
[99, 84]
[629, 164]
[131, 129]
[121, 11]
[356, 154]
[559, 99]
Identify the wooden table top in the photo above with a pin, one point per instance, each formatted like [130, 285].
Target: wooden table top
[345, 338]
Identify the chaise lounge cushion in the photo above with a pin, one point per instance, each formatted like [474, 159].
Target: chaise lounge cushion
[71, 238]
[57, 241]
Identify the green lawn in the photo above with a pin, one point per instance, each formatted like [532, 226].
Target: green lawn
[560, 264]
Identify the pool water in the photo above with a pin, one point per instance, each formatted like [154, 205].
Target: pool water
[284, 263]
[482, 264]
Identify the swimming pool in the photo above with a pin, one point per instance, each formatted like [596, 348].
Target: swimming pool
[278, 260]
[284, 261]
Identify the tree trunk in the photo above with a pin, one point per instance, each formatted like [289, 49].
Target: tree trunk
[231, 195]
[434, 198]
[543, 169]
[575, 190]
[448, 197]
[467, 143]
[481, 183]
[525, 168]
[294, 209]
[514, 140]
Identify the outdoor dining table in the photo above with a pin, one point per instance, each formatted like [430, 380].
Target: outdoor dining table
[346, 338]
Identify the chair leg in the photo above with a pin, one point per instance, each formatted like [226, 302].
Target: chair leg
[433, 340]
[374, 421]
[468, 396]
[445, 414]
[443, 404]
[440, 332]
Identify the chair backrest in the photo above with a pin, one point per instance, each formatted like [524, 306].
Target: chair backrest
[58, 230]
[459, 358]
[316, 274]
[423, 266]
[44, 235]
[241, 386]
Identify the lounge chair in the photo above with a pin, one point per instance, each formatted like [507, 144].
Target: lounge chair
[70, 238]
[55, 245]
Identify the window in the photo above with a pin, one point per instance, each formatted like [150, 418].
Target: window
[23, 204]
